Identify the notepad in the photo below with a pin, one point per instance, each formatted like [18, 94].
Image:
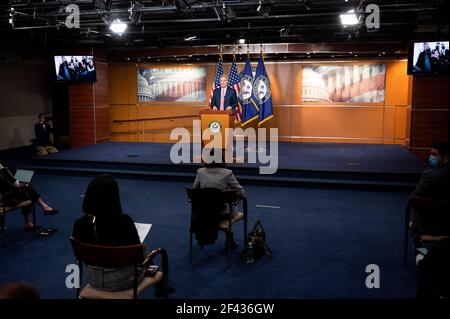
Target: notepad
[24, 176]
[143, 230]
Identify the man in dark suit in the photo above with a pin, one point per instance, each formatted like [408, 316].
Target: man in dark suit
[224, 98]
[43, 130]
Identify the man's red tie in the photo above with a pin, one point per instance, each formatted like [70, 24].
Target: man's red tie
[222, 98]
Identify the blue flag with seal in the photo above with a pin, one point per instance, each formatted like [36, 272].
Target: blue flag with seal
[261, 96]
[250, 111]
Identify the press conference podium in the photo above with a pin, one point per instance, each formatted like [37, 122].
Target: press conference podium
[215, 122]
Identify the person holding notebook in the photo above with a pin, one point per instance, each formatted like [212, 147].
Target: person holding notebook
[17, 192]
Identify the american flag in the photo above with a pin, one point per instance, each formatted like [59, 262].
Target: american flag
[216, 83]
[233, 82]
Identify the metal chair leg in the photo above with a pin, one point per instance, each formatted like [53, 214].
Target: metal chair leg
[406, 234]
[190, 248]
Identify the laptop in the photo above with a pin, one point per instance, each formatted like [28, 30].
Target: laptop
[24, 176]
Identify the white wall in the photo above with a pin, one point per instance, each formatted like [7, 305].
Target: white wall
[25, 91]
[16, 131]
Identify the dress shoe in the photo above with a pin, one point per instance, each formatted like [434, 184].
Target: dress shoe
[50, 212]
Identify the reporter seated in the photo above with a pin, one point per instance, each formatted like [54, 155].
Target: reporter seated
[215, 175]
[105, 224]
[17, 193]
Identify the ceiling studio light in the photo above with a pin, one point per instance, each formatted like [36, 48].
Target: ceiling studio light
[136, 12]
[190, 38]
[349, 18]
[241, 41]
[117, 26]
[11, 17]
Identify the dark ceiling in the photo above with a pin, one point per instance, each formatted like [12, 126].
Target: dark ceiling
[165, 24]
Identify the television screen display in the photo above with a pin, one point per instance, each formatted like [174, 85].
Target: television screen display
[71, 68]
[429, 58]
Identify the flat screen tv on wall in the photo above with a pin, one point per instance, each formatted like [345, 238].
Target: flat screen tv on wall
[75, 68]
[428, 58]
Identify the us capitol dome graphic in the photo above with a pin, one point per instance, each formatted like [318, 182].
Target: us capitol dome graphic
[313, 87]
[145, 92]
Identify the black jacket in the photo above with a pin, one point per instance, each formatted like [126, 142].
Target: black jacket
[43, 135]
[433, 183]
[230, 98]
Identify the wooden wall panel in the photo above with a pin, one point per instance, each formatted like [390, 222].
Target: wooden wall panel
[322, 121]
[89, 109]
[430, 92]
[132, 84]
[118, 85]
[281, 83]
[81, 126]
[389, 124]
[429, 113]
[281, 120]
[428, 126]
[397, 83]
[81, 94]
[400, 122]
[102, 123]
[101, 86]
[119, 112]
[335, 140]
[408, 125]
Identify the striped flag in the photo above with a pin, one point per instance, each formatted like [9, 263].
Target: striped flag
[216, 83]
[233, 82]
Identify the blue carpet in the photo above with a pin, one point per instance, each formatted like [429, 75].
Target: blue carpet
[298, 156]
[322, 241]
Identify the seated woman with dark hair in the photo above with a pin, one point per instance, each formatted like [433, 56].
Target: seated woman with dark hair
[105, 224]
[16, 192]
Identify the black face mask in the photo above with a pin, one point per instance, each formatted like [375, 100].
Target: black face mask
[428, 50]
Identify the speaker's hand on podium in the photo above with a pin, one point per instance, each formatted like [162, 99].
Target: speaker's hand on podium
[229, 108]
[215, 108]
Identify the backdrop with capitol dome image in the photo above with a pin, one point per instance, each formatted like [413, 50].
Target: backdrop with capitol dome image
[357, 83]
[171, 84]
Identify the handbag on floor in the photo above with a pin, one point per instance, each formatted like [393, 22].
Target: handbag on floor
[255, 245]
